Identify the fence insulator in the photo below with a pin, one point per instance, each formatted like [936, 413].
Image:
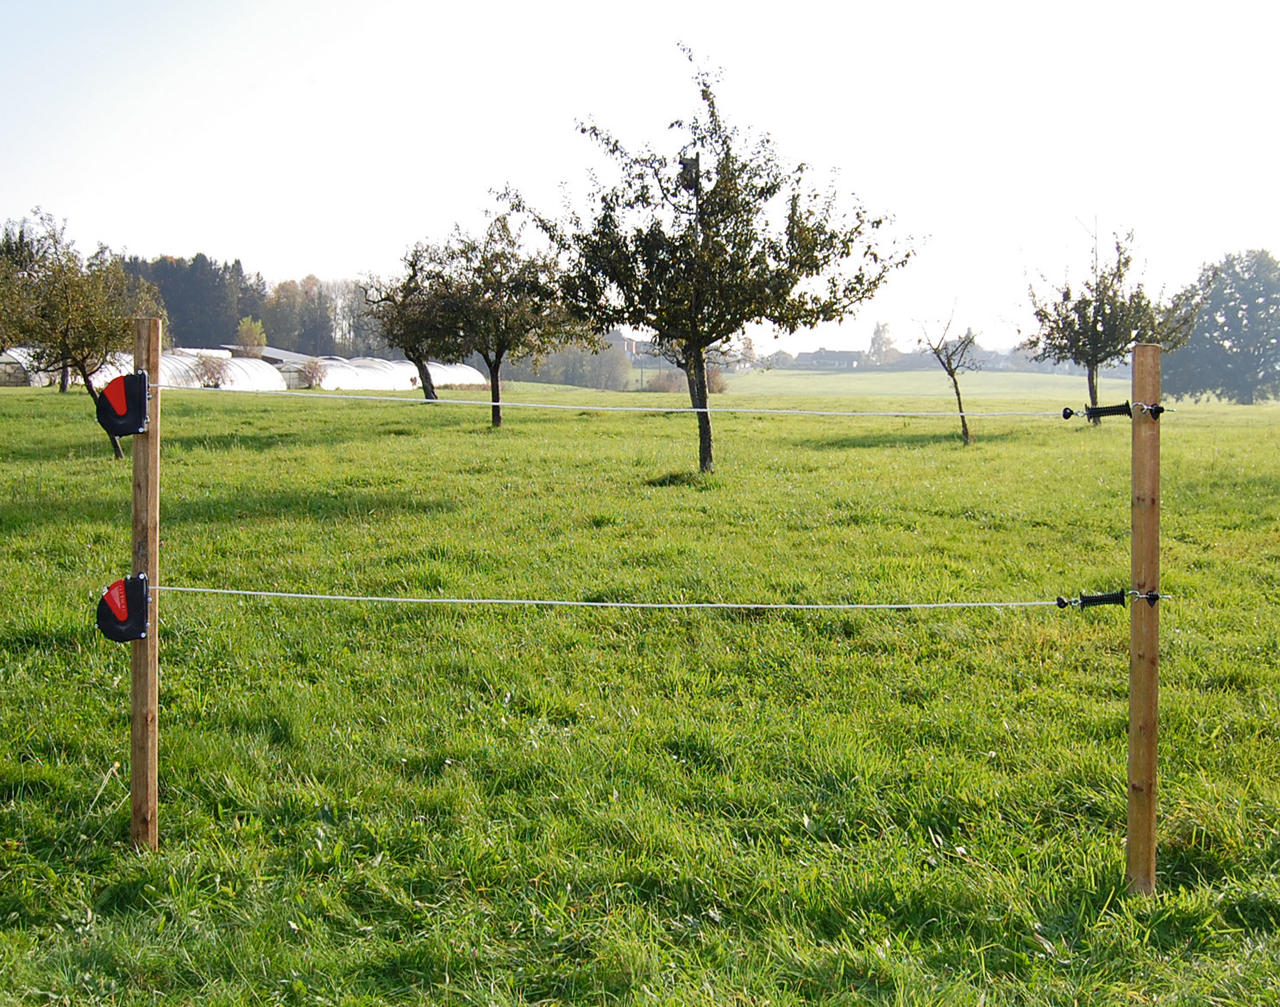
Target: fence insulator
[122, 406]
[122, 610]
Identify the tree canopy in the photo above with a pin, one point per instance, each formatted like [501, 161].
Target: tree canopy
[696, 244]
[415, 313]
[1234, 348]
[72, 313]
[1098, 323]
[251, 337]
[486, 296]
[509, 301]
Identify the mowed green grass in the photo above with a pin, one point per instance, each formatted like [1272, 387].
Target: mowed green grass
[368, 804]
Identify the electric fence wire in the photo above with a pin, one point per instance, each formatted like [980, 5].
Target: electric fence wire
[569, 603]
[588, 408]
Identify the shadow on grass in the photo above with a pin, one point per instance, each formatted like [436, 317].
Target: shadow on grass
[233, 506]
[326, 436]
[697, 480]
[64, 450]
[898, 439]
[47, 638]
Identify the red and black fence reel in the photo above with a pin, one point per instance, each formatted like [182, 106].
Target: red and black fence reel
[122, 406]
[122, 610]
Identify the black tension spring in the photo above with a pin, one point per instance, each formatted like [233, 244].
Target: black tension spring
[1092, 413]
[1090, 600]
[1109, 598]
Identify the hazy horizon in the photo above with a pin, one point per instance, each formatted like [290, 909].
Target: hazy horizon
[315, 139]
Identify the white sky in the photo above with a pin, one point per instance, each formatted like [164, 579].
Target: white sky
[326, 137]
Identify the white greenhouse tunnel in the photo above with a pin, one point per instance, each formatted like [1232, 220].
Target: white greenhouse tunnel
[197, 368]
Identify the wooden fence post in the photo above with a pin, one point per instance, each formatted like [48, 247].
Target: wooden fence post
[145, 664]
[1144, 625]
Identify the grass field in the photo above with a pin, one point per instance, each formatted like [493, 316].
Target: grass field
[369, 804]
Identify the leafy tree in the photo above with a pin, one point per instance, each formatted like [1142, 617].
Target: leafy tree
[609, 370]
[356, 332]
[210, 371]
[250, 290]
[416, 314]
[1098, 324]
[299, 316]
[954, 356]
[483, 295]
[1234, 348]
[282, 315]
[695, 246]
[73, 314]
[316, 335]
[251, 337]
[21, 250]
[508, 301]
[882, 352]
[312, 372]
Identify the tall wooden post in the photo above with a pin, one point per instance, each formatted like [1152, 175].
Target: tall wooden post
[1144, 625]
[145, 667]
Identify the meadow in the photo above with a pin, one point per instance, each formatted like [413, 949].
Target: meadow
[391, 804]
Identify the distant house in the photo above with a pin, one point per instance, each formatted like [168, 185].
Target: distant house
[830, 360]
[629, 344]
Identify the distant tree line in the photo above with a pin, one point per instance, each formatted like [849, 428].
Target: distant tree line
[208, 301]
[608, 369]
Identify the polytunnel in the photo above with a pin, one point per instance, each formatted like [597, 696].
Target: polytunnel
[188, 369]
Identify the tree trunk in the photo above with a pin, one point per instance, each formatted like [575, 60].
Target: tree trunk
[64, 379]
[424, 377]
[964, 422]
[116, 449]
[696, 372]
[495, 391]
[1091, 372]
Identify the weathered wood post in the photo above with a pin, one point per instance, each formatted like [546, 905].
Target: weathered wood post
[1144, 624]
[145, 663]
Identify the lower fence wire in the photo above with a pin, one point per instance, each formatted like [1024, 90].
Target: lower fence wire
[670, 605]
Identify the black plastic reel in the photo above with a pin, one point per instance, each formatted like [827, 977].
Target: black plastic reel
[122, 406]
[122, 610]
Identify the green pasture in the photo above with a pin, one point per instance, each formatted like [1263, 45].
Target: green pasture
[382, 804]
